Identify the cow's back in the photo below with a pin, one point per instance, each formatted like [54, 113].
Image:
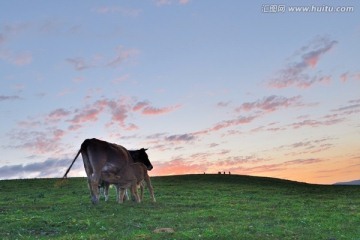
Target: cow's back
[109, 160]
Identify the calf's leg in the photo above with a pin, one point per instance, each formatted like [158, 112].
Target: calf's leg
[121, 194]
[106, 191]
[134, 192]
[149, 186]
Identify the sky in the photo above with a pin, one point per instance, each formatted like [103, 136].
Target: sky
[257, 88]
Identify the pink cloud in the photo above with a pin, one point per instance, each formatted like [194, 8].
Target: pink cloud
[39, 142]
[122, 55]
[90, 115]
[19, 59]
[311, 58]
[29, 123]
[233, 122]
[126, 12]
[121, 79]
[316, 123]
[242, 120]
[303, 161]
[147, 109]
[58, 134]
[9, 98]
[344, 77]
[22, 59]
[177, 166]
[140, 105]
[58, 114]
[131, 127]
[79, 63]
[275, 167]
[78, 79]
[119, 115]
[169, 2]
[184, 1]
[2, 39]
[297, 72]
[213, 145]
[180, 138]
[156, 111]
[353, 107]
[223, 104]
[306, 147]
[162, 2]
[270, 104]
[357, 76]
[74, 127]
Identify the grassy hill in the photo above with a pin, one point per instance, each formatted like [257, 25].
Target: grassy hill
[193, 206]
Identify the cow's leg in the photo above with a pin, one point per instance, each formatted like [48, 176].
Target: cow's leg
[149, 186]
[93, 182]
[90, 188]
[94, 188]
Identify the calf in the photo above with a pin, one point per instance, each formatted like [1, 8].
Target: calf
[138, 156]
[141, 173]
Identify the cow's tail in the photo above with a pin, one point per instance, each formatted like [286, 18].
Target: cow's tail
[67, 171]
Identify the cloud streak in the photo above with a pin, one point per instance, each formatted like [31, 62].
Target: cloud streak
[79, 64]
[270, 104]
[122, 56]
[146, 109]
[316, 123]
[18, 59]
[9, 98]
[296, 73]
[169, 2]
[126, 12]
[48, 168]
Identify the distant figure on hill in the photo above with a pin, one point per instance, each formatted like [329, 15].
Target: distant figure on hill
[219, 172]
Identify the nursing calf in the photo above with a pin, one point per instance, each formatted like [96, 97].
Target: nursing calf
[141, 174]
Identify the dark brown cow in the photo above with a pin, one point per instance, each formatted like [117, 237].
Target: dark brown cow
[109, 162]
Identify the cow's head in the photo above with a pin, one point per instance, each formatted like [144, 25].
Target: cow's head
[141, 156]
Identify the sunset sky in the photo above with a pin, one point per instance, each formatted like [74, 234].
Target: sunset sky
[252, 88]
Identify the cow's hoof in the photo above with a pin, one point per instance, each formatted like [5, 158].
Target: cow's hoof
[95, 200]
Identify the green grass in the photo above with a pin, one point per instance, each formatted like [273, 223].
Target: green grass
[194, 206]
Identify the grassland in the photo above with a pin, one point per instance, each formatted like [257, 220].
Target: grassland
[194, 206]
